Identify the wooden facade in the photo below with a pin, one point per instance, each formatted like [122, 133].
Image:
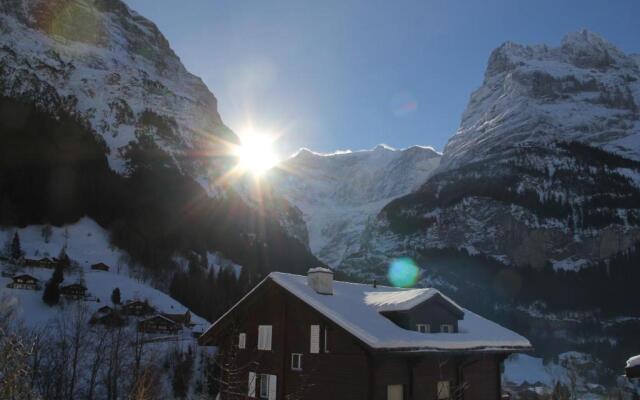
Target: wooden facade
[74, 291]
[44, 262]
[138, 308]
[180, 319]
[339, 366]
[24, 281]
[100, 267]
[158, 324]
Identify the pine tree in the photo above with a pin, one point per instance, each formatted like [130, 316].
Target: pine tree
[115, 296]
[51, 294]
[16, 249]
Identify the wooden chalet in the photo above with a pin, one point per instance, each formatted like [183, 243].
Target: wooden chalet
[181, 319]
[44, 262]
[107, 316]
[75, 291]
[312, 338]
[138, 308]
[159, 324]
[24, 281]
[100, 267]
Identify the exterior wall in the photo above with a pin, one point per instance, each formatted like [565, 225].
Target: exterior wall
[349, 370]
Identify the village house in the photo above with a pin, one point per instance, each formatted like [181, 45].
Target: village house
[44, 262]
[315, 338]
[180, 319]
[107, 316]
[159, 324]
[74, 291]
[100, 267]
[138, 308]
[632, 368]
[24, 281]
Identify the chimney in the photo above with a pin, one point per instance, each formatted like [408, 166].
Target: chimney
[320, 280]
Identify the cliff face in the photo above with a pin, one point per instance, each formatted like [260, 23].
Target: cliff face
[108, 66]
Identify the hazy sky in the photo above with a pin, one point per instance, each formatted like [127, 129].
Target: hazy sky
[340, 74]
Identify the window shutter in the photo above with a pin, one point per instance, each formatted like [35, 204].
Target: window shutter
[260, 338]
[273, 381]
[395, 392]
[268, 338]
[252, 385]
[315, 339]
[242, 341]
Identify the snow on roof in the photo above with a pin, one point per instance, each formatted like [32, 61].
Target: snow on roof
[633, 362]
[402, 300]
[356, 308]
[320, 269]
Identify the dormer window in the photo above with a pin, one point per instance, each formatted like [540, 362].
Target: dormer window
[423, 328]
[446, 328]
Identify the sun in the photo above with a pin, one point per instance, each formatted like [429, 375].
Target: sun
[255, 153]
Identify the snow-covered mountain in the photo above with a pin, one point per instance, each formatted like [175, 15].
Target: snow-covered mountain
[106, 65]
[339, 193]
[586, 90]
[543, 169]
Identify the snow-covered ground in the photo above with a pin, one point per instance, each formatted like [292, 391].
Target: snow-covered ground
[86, 243]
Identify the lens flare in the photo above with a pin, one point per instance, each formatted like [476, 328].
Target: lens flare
[256, 154]
[403, 272]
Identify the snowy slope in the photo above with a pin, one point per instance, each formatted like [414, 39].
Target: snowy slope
[113, 69]
[86, 243]
[338, 193]
[586, 90]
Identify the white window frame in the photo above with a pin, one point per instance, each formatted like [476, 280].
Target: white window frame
[314, 339]
[296, 361]
[264, 337]
[443, 390]
[446, 328]
[423, 328]
[242, 340]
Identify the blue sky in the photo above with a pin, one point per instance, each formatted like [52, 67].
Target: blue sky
[341, 74]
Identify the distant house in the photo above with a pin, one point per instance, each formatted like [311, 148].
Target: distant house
[158, 324]
[315, 338]
[107, 316]
[181, 319]
[74, 291]
[44, 262]
[100, 267]
[137, 307]
[24, 281]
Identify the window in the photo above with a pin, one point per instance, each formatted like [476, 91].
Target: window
[251, 384]
[423, 328]
[268, 386]
[242, 340]
[446, 328]
[314, 339]
[264, 386]
[443, 390]
[296, 361]
[264, 337]
[395, 392]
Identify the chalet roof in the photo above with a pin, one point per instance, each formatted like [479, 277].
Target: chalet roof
[633, 362]
[357, 309]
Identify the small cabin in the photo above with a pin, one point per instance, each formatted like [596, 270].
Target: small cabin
[100, 267]
[44, 262]
[75, 291]
[107, 316]
[137, 307]
[180, 319]
[158, 324]
[24, 281]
